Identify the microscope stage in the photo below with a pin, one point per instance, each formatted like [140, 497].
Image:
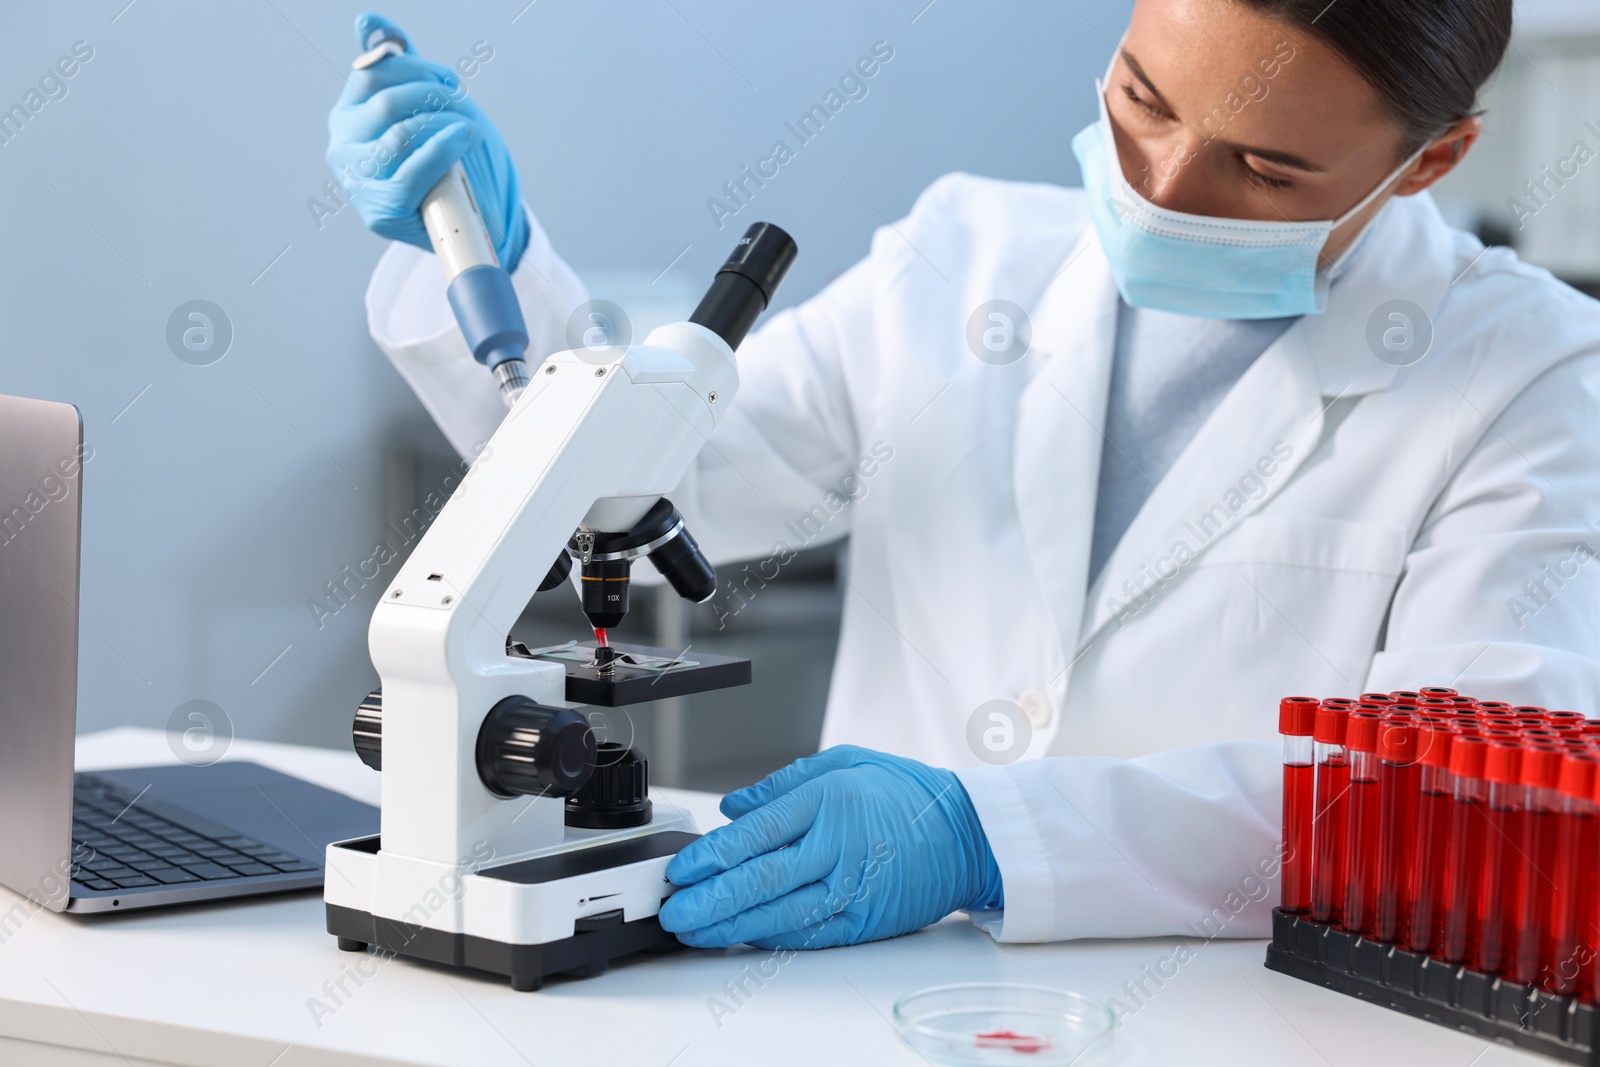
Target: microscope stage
[657, 674]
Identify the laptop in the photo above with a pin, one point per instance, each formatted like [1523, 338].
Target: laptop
[116, 840]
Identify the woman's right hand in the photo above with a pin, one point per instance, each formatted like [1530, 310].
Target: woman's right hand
[398, 127]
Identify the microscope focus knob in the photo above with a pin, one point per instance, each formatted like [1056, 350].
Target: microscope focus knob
[616, 795]
[527, 749]
[367, 731]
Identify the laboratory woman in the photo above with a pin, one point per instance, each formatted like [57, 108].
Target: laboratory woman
[1269, 426]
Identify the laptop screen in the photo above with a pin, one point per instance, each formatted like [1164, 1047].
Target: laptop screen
[41, 479]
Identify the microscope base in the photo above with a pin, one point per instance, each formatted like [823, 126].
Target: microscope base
[570, 911]
[579, 956]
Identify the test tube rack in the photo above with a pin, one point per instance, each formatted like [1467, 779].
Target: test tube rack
[1441, 858]
[1450, 995]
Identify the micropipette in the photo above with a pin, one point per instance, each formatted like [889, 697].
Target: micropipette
[479, 289]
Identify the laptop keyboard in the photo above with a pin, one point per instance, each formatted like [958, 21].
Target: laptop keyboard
[116, 845]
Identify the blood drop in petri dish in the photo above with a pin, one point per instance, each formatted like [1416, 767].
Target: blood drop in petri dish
[1012, 1041]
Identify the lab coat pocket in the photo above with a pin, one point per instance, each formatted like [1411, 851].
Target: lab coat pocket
[1287, 582]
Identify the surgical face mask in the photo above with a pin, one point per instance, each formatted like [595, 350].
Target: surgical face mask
[1197, 265]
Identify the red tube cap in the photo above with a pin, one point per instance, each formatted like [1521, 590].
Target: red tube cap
[1437, 691]
[1406, 696]
[1378, 698]
[1297, 716]
[1330, 726]
[1397, 741]
[1577, 774]
[1361, 731]
[1338, 702]
[1433, 744]
[1564, 716]
[1503, 763]
[1528, 709]
[1491, 707]
[1467, 756]
[1541, 766]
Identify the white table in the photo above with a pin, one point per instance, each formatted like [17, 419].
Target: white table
[232, 984]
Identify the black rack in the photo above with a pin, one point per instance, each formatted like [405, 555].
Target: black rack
[1443, 993]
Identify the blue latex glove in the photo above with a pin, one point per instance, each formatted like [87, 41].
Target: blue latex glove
[399, 126]
[845, 846]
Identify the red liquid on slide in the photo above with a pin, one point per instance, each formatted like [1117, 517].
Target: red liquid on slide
[1428, 899]
[1298, 795]
[1327, 841]
[1361, 858]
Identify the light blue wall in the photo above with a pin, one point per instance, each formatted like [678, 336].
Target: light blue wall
[180, 163]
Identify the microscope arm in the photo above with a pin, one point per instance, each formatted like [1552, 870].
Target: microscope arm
[594, 441]
[611, 437]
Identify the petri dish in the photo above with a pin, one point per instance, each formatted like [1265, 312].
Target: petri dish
[1000, 1023]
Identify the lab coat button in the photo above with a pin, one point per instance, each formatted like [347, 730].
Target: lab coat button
[1037, 707]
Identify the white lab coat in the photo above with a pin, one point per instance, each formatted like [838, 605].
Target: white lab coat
[1347, 525]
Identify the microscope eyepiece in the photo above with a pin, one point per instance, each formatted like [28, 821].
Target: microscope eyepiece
[746, 283]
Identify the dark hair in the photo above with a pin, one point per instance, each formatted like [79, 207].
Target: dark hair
[1426, 58]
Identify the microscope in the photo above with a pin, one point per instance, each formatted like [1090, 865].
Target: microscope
[511, 841]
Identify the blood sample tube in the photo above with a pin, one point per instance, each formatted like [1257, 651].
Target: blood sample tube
[1297, 718]
[1406, 696]
[1492, 707]
[1428, 900]
[1379, 698]
[1541, 820]
[1438, 705]
[1464, 857]
[1437, 691]
[1590, 920]
[1327, 836]
[1574, 717]
[1502, 765]
[1569, 970]
[1398, 796]
[1361, 823]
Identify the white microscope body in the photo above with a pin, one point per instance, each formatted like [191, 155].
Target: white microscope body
[467, 869]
